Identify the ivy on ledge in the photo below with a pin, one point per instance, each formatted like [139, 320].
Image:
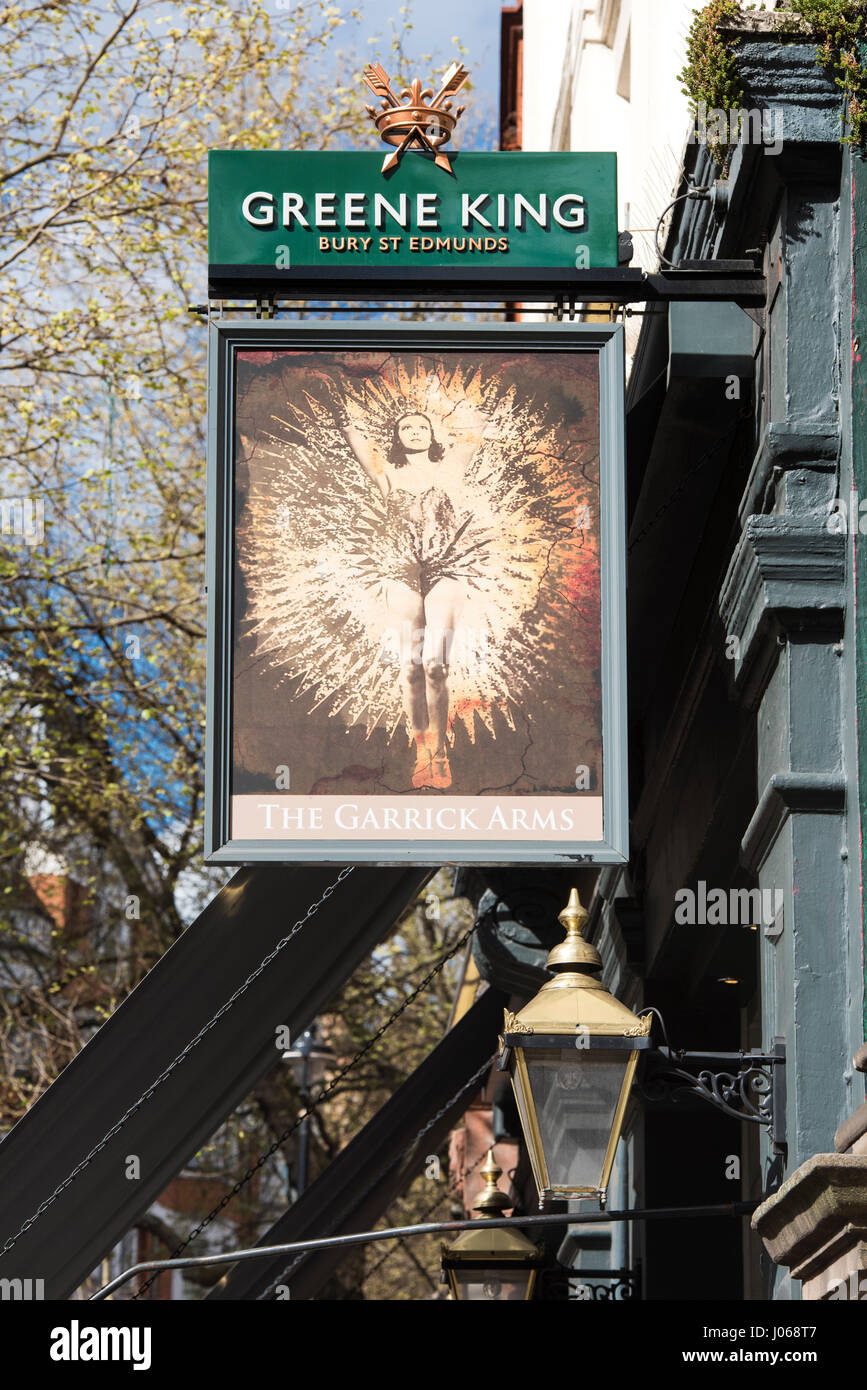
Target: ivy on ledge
[711, 76]
[839, 27]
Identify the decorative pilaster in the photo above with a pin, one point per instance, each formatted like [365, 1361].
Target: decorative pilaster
[784, 605]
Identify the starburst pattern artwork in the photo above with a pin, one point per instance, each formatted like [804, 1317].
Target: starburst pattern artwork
[350, 531]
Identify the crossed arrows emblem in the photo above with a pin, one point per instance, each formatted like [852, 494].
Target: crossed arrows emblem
[413, 132]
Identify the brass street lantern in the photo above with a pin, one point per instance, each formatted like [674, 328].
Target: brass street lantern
[492, 1263]
[571, 1054]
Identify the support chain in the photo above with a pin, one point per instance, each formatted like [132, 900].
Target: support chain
[326, 1090]
[181, 1057]
[409, 1149]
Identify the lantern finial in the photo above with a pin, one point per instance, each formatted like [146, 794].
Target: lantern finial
[492, 1200]
[574, 953]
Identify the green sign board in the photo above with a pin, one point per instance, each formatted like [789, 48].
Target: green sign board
[280, 220]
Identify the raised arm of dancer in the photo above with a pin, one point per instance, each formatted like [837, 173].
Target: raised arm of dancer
[369, 457]
[468, 426]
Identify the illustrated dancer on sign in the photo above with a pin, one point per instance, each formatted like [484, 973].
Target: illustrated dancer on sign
[430, 555]
[417, 512]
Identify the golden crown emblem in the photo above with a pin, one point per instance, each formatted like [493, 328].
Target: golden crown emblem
[417, 120]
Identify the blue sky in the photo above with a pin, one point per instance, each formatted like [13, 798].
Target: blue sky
[435, 22]
[475, 22]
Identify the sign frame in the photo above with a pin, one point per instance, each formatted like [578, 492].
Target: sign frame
[226, 338]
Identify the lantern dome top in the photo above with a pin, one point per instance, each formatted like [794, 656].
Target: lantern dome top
[574, 1001]
[497, 1243]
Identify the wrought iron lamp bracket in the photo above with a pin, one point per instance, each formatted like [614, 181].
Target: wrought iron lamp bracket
[748, 1086]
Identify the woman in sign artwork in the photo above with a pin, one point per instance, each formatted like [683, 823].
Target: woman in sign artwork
[430, 554]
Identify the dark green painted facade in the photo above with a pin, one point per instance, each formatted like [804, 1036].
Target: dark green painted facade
[858, 186]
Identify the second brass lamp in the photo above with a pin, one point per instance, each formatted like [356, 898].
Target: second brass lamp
[490, 1262]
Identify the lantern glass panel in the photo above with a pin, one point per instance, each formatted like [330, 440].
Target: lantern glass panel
[317, 1065]
[309, 1060]
[494, 1285]
[575, 1093]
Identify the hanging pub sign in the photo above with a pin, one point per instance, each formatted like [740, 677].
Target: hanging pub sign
[295, 223]
[417, 596]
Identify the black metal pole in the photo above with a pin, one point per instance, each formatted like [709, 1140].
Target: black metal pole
[730, 1209]
[304, 1129]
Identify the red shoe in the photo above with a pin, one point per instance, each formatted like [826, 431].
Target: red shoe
[441, 772]
[423, 773]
